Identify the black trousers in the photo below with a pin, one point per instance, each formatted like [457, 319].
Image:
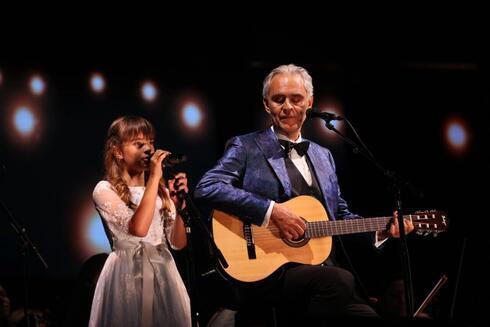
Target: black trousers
[322, 291]
[307, 293]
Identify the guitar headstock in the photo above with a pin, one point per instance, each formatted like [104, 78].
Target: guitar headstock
[429, 222]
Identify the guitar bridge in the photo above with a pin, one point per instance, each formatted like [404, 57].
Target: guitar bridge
[247, 233]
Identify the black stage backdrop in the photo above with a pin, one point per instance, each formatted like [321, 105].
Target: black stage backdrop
[402, 104]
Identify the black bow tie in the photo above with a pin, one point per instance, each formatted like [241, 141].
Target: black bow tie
[301, 147]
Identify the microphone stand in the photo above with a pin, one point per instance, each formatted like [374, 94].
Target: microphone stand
[190, 214]
[398, 184]
[25, 244]
[191, 269]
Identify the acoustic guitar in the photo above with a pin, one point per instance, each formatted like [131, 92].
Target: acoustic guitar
[253, 253]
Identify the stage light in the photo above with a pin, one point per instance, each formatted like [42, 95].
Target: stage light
[321, 130]
[88, 235]
[457, 135]
[336, 123]
[37, 85]
[192, 115]
[97, 83]
[148, 91]
[24, 121]
[96, 235]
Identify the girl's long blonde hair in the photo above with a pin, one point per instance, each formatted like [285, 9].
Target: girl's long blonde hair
[121, 130]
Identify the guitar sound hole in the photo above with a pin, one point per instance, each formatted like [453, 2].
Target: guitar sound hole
[300, 241]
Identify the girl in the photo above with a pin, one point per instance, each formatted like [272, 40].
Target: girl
[139, 284]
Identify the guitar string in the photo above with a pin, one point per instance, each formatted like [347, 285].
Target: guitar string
[315, 228]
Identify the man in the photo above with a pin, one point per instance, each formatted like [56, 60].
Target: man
[261, 170]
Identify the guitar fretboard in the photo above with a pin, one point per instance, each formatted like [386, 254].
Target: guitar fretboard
[350, 226]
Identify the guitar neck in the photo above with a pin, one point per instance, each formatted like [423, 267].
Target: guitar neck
[350, 226]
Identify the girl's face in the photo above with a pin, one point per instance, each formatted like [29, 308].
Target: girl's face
[134, 153]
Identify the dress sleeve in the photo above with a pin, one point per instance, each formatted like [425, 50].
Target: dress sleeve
[111, 207]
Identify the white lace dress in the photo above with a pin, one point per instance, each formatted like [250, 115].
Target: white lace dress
[139, 284]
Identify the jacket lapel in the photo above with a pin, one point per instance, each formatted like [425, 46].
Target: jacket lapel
[322, 171]
[267, 142]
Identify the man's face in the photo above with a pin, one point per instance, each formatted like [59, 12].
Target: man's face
[286, 103]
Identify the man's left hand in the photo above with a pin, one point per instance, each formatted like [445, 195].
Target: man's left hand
[394, 231]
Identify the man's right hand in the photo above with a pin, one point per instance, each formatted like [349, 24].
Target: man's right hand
[290, 224]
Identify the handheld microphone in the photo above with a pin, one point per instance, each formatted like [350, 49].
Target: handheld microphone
[174, 159]
[171, 160]
[327, 116]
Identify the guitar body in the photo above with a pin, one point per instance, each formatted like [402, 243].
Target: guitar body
[253, 253]
[270, 250]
